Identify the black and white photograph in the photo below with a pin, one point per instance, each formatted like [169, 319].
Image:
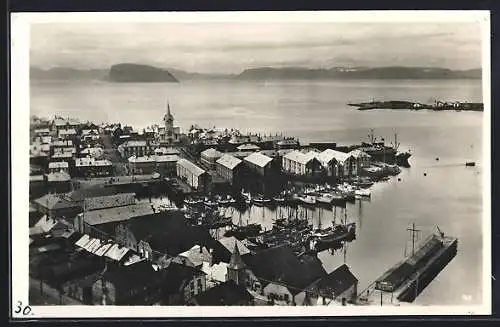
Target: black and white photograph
[250, 164]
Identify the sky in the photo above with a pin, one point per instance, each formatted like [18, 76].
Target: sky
[233, 47]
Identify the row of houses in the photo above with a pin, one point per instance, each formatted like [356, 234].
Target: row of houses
[184, 267]
[329, 162]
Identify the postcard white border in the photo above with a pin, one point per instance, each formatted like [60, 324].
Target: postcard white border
[20, 104]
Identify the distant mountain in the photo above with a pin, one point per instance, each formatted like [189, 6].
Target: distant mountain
[269, 73]
[182, 75]
[130, 73]
[65, 73]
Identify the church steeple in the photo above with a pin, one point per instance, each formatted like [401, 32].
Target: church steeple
[236, 268]
[168, 116]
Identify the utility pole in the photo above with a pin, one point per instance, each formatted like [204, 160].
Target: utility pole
[413, 232]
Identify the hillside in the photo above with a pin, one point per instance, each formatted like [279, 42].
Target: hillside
[182, 75]
[65, 73]
[269, 73]
[130, 73]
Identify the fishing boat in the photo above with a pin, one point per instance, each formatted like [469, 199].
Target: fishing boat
[337, 234]
[363, 192]
[242, 232]
[210, 203]
[330, 197]
[261, 201]
[279, 199]
[226, 201]
[331, 236]
[308, 199]
[192, 201]
[363, 182]
[347, 191]
[247, 197]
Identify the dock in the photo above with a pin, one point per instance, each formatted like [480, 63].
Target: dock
[407, 279]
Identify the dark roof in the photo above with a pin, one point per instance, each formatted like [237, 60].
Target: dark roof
[141, 273]
[71, 269]
[178, 275]
[93, 191]
[55, 202]
[336, 282]
[280, 264]
[109, 201]
[228, 293]
[169, 232]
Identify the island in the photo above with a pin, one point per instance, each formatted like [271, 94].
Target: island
[137, 73]
[408, 105]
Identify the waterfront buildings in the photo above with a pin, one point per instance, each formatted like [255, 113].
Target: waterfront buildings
[194, 176]
[229, 168]
[302, 164]
[259, 163]
[339, 163]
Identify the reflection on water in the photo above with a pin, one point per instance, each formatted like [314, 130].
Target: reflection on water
[448, 196]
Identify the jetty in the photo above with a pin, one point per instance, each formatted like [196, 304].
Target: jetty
[407, 279]
[409, 105]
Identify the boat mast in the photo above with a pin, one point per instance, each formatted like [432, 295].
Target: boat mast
[319, 218]
[371, 136]
[334, 215]
[396, 144]
[413, 232]
[345, 215]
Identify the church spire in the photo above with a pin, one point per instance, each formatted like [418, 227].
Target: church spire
[236, 262]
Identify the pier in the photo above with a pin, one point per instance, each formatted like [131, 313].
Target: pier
[407, 279]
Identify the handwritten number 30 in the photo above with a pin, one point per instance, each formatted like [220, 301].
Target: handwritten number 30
[26, 310]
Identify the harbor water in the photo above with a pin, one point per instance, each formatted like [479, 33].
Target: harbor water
[431, 193]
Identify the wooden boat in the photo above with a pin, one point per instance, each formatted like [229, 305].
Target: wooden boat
[242, 232]
[363, 192]
[226, 201]
[210, 203]
[192, 201]
[261, 201]
[308, 200]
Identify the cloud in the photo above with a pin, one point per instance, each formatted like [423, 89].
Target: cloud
[231, 47]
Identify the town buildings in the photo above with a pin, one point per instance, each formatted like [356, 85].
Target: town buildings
[209, 157]
[302, 164]
[169, 134]
[162, 164]
[230, 168]
[340, 286]
[90, 167]
[194, 176]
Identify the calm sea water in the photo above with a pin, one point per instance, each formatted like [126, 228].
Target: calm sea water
[450, 196]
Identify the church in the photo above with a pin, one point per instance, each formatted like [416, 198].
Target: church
[170, 134]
